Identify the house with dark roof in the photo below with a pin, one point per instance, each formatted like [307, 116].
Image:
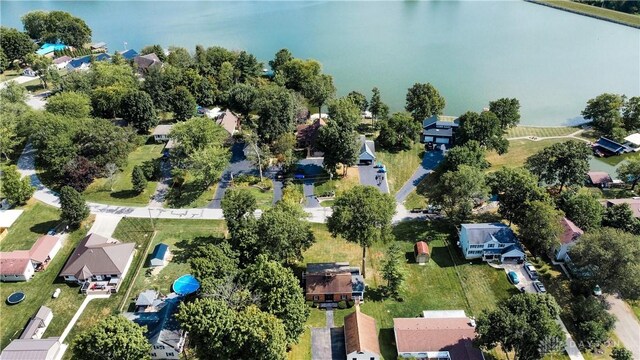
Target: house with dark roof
[439, 129]
[147, 300]
[159, 255]
[84, 62]
[99, 263]
[599, 178]
[568, 238]
[144, 62]
[163, 329]
[490, 241]
[443, 335]
[361, 336]
[333, 282]
[634, 204]
[34, 349]
[609, 147]
[128, 54]
[367, 153]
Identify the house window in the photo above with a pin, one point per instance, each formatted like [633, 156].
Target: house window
[154, 354]
[158, 347]
[316, 297]
[491, 245]
[343, 297]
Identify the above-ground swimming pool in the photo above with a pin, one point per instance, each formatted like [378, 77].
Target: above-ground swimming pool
[15, 298]
[186, 284]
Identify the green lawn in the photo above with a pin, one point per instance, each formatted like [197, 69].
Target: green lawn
[339, 185]
[9, 75]
[589, 10]
[520, 131]
[415, 200]
[401, 165]
[263, 197]
[122, 194]
[615, 160]
[519, 151]
[38, 290]
[446, 282]
[36, 220]
[191, 195]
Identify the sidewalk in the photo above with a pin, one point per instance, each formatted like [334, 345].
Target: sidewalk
[75, 317]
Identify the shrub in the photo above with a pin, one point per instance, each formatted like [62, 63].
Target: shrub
[151, 169]
[342, 304]
[246, 179]
[350, 303]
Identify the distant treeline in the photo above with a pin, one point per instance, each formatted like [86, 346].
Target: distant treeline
[625, 6]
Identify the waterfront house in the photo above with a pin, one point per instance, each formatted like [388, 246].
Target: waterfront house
[361, 336]
[159, 255]
[128, 54]
[84, 62]
[633, 141]
[367, 153]
[634, 204]
[34, 349]
[442, 335]
[421, 252]
[99, 263]
[333, 282]
[599, 179]
[439, 129]
[609, 147]
[49, 49]
[144, 62]
[568, 238]
[99, 47]
[62, 62]
[306, 136]
[161, 133]
[490, 241]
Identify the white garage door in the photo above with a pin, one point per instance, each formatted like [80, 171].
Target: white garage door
[442, 141]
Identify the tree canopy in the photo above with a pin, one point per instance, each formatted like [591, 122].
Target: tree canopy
[73, 208]
[592, 321]
[283, 232]
[392, 268]
[196, 134]
[277, 108]
[564, 163]
[485, 128]
[378, 108]
[138, 110]
[629, 171]
[17, 191]
[605, 112]
[540, 227]
[114, 337]
[515, 187]
[15, 44]
[507, 110]
[620, 216]
[69, 103]
[583, 208]
[399, 132]
[423, 101]
[458, 192]
[471, 154]
[56, 26]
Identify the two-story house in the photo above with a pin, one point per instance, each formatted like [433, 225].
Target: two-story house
[490, 241]
[333, 282]
[439, 129]
[568, 238]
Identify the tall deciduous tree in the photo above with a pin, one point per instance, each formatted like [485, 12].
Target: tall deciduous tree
[238, 207]
[183, 104]
[319, 89]
[631, 114]
[284, 233]
[114, 337]
[276, 107]
[56, 26]
[15, 44]
[196, 134]
[521, 324]
[69, 103]
[471, 154]
[629, 172]
[399, 132]
[338, 144]
[507, 110]
[423, 101]
[281, 58]
[359, 100]
[17, 191]
[208, 164]
[247, 67]
[459, 191]
[592, 321]
[484, 128]
[362, 215]
[73, 208]
[540, 227]
[213, 264]
[564, 163]
[79, 173]
[583, 208]
[138, 110]
[241, 99]
[514, 187]
[620, 216]
[609, 257]
[392, 268]
[154, 49]
[621, 353]
[605, 112]
[376, 106]
[13, 92]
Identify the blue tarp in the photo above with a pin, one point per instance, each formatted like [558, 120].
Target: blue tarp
[185, 285]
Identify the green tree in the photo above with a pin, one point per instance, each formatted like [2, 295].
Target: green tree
[609, 257]
[629, 171]
[69, 103]
[621, 353]
[15, 44]
[284, 233]
[137, 109]
[540, 227]
[423, 101]
[258, 335]
[114, 337]
[17, 191]
[392, 269]
[459, 191]
[484, 128]
[154, 49]
[339, 146]
[179, 57]
[183, 104]
[210, 323]
[592, 321]
[564, 163]
[514, 187]
[376, 106]
[103, 142]
[12, 116]
[295, 74]
[4, 61]
[138, 180]
[238, 206]
[280, 294]
[507, 110]
[213, 264]
[276, 108]
[241, 99]
[520, 324]
[631, 114]
[281, 58]
[399, 132]
[359, 100]
[583, 208]
[345, 112]
[35, 23]
[196, 134]
[208, 164]
[247, 67]
[318, 90]
[471, 154]
[362, 215]
[42, 66]
[56, 26]
[13, 92]
[605, 113]
[73, 208]
[620, 216]
[105, 100]
[226, 77]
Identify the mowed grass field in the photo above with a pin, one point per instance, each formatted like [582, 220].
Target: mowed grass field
[401, 165]
[100, 190]
[446, 282]
[39, 289]
[520, 131]
[519, 151]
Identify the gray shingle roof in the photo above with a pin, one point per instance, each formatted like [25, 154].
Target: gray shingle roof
[482, 233]
[98, 255]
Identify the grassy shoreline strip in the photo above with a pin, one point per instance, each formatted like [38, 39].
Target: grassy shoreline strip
[592, 11]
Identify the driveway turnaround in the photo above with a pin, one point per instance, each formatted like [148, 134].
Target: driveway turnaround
[368, 175]
[430, 161]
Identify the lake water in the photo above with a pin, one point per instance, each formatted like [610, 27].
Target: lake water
[472, 51]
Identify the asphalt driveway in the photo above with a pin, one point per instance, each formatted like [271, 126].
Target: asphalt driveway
[238, 165]
[368, 177]
[430, 161]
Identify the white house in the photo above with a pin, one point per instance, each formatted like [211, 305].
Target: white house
[633, 141]
[16, 266]
[161, 133]
[62, 62]
[489, 241]
[568, 238]
[361, 336]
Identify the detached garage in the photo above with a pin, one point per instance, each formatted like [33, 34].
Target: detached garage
[159, 255]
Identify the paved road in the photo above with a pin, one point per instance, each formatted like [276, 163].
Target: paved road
[311, 201]
[238, 165]
[430, 161]
[627, 326]
[368, 177]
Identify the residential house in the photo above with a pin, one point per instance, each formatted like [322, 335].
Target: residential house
[634, 204]
[333, 282]
[306, 136]
[161, 133]
[144, 62]
[439, 129]
[568, 238]
[367, 153]
[159, 255]
[599, 178]
[442, 335]
[7, 218]
[84, 62]
[421, 252]
[34, 349]
[29, 72]
[609, 147]
[99, 47]
[21, 265]
[128, 54]
[228, 120]
[490, 241]
[163, 330]
[38, 324]
[99, 263]
[633, 141]
[147, 300]
[361, 336]
[62, 62]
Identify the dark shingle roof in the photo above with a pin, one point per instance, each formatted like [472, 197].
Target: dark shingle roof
[610, 145]
[481, 233]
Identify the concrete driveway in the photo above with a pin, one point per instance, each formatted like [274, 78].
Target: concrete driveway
[525, 280]
[430, 160]
[368, 177]
[105, 224]
[311, 201]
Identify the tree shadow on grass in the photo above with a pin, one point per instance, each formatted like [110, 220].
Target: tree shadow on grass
[44, 227]
[185, 195]
[375, 293]
[387, 346]
[124, 194]
[183, 250]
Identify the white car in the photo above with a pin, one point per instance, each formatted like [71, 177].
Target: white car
[56, 293]
[531, 270]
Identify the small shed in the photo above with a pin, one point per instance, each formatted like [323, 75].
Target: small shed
[421, 251]
[159, 255]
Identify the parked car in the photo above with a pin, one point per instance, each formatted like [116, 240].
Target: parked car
[280, 175]
[513, 277]
[539, 286]
[531, 270]
[416, 210]
[51, 232]
[298, 176]
[597, 291]
[56, 293]
[378, 165]
[382, 169]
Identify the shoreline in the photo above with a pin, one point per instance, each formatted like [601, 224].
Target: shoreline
[586, 12]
